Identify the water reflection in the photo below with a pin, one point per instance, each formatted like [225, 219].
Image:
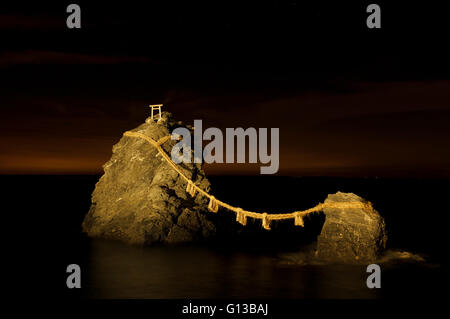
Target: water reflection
[117, 270]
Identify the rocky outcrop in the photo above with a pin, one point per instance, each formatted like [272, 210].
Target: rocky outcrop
[140, 199]
[351, 234]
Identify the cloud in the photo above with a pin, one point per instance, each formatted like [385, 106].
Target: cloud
[36, 57]
[18, 22]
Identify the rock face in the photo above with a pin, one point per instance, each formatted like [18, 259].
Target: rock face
[351, 234]
[140, 199]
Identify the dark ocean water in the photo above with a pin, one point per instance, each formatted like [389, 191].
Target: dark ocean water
[42, 225]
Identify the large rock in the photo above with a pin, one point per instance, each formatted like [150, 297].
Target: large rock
[351, 234]
[141, 199]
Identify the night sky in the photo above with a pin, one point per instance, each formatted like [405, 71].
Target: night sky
[349, 101]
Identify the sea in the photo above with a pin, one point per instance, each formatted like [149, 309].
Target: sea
[42, 218]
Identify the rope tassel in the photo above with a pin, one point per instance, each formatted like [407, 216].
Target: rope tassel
[266, 221]
[299, 220]
[213, 206]
[190, 188]
[241, 217]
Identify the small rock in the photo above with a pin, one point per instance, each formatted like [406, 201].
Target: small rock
[356, 235]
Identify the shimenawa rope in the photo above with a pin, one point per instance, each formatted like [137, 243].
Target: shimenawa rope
[242, 215]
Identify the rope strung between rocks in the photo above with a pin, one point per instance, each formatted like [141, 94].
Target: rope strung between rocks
[241, 215]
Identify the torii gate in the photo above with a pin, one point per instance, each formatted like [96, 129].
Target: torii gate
[156, 107]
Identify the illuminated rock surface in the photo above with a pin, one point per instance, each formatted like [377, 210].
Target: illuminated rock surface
[141, 199]
[351, 234]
